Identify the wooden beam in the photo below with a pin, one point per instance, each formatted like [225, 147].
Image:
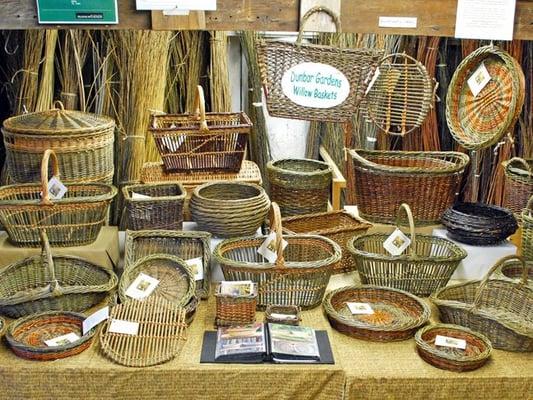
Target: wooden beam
[338, 182]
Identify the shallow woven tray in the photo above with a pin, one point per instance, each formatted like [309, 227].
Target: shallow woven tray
[162, 329]
[476, 354]
[287, 310]
[26, 336]
[397, 314]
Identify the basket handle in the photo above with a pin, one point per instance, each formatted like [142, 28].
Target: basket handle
[44, 174]
[405, 208]
[48, 262]
[275, 225]
[58, 105]
[199, 108]
[314, 10]
[522, 282]
[521, 162]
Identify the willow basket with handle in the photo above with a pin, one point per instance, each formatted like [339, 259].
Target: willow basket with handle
[74, 220]
[300, 274]
[499, 309]
[512, 270]
[425, 266]
[518, 184]
[201, 141]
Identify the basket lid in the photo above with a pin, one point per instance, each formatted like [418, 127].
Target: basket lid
[57, 121]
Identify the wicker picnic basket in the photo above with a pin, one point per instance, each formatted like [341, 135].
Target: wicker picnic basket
[274, 314]
[162, 210]
[276, 58]
[229, 209]
[518, 184]
[176, 280]
[58, 283]
[425, 266]
[201, 141]
[235, 310]
[299, 186]
[396, 314]
[427, 181]
[339, 226]
[26, 336]
[512, 270]
[480, 121]
[500, 309]
[475, 355]
[189, 246]
[83, 143]
[74, 220]
[300, 274]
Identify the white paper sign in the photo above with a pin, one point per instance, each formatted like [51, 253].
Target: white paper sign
[142, 287]
[315, 85]
[125, 327]
[197, 267]
[237, 288]
[56, 189]
[396, 243]
[156, 4]
[94, 319]
[268, 247]
[450, 342]
[62, 340]
[398, 22]
[360, 308]
[479, 79]
[207, 5]
[485, 19]
[138, 196]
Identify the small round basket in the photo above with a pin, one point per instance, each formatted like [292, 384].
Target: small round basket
[475, 355]
[229, 209]
[26, 336]
[396, 314]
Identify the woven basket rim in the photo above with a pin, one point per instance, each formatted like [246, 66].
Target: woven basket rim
[503, 213]
[210, 116]
[261, 193]
[272, 166]
[513, 174]
[290, 46]
[131, 188]
[358, 223]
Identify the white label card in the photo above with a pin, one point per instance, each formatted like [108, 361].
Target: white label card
[360, 308]
[485, 19]
[479, 79]
[268, 247]
[142, 287]
[396, 243]
[237, 288]
[398, 22]
[197, 267]
[138, 196]
[450, 342]
[125, 327]
[287, 317]
[155, 4]
[62, 340]
[56, 189]
[94, 319]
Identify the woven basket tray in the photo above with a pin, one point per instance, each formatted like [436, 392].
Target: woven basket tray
[499, 309]
[397, 314]
[474, 356]
[235, 310]
[273, 309]
[518, 184]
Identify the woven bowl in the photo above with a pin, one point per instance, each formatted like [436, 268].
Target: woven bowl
[476, 354]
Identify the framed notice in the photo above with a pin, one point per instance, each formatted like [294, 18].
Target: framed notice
[77, 11]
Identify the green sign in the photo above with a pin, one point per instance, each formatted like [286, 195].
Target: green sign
[77, 11]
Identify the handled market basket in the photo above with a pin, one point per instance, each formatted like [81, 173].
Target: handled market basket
[235, 310]
[518, 186]
[353, 67]
[500, 309]
[201, 141]
[300, 274]
[427, 181]
[74, 220]
[527, 230]
[425, 266]
[46, 282]
[512, 270]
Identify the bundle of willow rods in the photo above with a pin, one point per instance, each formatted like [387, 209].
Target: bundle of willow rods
[218, 72]
[27, 78]
[45, 97]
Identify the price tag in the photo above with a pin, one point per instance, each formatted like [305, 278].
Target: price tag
[479, 79]
[284, 317]
[142, 287]
[360, 308]
[62, 340]
[237, 288]
[397, 22]
[197, 267]
[373, 80]
[268, 247]
[450, 342]
[56, 189]
[125, 327]
[138, 196]
[396, 243]
[94, 319]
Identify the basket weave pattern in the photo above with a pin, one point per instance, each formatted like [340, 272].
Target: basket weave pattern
[518, 184]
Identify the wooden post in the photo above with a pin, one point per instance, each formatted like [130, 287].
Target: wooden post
[338, 182]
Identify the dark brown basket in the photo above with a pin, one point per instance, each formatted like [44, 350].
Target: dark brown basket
[518, 184]
[235, 310]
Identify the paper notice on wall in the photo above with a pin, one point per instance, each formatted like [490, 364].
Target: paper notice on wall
[485, 19]
[156, 4]
[207, 5]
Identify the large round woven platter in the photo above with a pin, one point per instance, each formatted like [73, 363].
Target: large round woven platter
[396, 314]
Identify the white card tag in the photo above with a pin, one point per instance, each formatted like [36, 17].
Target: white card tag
[62, 340]
[56, 189]
[396, 243]
[285, 317]
[125, 327]
[373, 80]
[237, 288]
[268, 247]
[94, 319]
[450, 342]
[138, 196]
[397, 22]
[479, 79]
[360, 308]
[197, 267]
[142, 287]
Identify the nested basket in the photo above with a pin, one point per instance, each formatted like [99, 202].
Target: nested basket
[58, 283]
[427, 181]
[500, 309]
[300, 274]
[475, 355]
[74, 220]
[276, 58]
[299, 186]
[229, 209]
[518, 184]
[188, 245]
[235, 310]
[480, 121]
[425, 266]
[201, 141]
[163, 210]
[396, 314]
[273, 311]
[83, 143]
[26, 336]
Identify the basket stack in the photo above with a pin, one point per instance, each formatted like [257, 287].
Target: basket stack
[518, 184]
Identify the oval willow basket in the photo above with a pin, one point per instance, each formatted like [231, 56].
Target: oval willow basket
[518, 184]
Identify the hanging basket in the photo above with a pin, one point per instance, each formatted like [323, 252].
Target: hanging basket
[518, 184]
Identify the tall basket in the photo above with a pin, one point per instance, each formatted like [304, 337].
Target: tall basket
[518, 184]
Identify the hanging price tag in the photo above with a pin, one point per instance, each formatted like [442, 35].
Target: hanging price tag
[268, 247]
[62, 340]
[197, 267]
[56, 189]
[450, 342]
[479, 79]
[360, 308]
[396, 243]
[94, 319]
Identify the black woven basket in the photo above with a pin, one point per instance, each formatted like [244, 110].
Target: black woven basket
[479, 224]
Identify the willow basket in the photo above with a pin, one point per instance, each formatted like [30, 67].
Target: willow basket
[512, 270]
[518, 184]
[397, 314]
[201, 141]
[74, 220]
[3, 326]
[273, 309]
[425, 266]
[299, 186]
[499, 309]
[83, 143]
[300, 274]
[427, 181]
[234, 310]
[188, 245]
[527, 231]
